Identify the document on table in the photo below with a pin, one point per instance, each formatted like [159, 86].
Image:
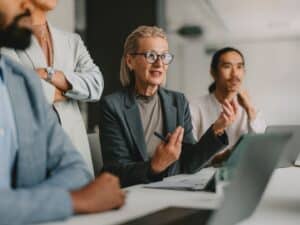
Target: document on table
[192, 182]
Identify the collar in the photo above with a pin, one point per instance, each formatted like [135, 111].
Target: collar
[2, 65]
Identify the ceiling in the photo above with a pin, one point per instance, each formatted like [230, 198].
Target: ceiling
[236, 19]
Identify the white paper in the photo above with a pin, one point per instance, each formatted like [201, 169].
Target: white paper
[193, 182]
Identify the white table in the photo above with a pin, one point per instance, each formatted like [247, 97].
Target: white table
[280, 203]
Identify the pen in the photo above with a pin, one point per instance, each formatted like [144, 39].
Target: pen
[204, 165]
[160, 137]
[165, 139]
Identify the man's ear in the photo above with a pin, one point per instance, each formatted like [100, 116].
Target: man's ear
[213, 74]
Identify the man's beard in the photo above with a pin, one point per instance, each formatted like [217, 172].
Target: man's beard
[14, 36]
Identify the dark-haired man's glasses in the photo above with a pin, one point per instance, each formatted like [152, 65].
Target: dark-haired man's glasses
[152, 57]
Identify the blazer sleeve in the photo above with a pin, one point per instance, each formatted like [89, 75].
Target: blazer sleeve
[86, 80]
[50, 200]
[117, 157]
[195, 154]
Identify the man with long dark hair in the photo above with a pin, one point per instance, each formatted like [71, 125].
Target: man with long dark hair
[228, 71]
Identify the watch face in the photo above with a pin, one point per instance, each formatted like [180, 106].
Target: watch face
[50, 72]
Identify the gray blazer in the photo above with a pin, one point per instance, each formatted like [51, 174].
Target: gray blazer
[71, 57]
[47, 165]
[123, 142]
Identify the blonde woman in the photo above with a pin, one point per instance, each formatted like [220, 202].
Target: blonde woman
[67, 72]
[129, 117]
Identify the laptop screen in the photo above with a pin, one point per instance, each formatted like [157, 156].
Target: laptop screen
[259, 155]
[293, 147]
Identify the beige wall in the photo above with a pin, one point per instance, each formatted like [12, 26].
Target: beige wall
[272, 74]
[64, 15]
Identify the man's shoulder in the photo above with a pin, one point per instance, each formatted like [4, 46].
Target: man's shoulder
[10, 53]
[15, 66]
[19, 69]
[200, 99]
[32, 83]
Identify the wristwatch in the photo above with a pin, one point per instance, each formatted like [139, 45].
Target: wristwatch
[50, 72]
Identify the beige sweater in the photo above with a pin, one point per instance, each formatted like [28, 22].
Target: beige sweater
[206, 109]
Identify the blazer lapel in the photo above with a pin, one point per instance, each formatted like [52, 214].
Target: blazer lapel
[57, 46]
[133, 119]
[23, 120]
[169, 112]
[170, 118]
[34, 54]
[33, 57]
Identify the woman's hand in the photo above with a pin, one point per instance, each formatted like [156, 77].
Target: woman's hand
[167, 153]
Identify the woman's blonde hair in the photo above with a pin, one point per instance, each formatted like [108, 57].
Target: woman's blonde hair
[131, 45]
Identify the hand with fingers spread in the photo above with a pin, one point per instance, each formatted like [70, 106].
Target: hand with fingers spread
[245, 101]
[167, 153]
[102, 194]
[227, 116]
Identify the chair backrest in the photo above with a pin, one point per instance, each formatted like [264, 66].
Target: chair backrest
[96, 153]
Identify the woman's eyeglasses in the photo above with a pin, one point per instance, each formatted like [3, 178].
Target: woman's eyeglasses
[152, 57]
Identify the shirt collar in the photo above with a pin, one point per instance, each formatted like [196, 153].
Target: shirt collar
[2, 66]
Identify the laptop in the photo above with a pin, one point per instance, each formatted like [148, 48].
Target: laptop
[291, 156]
[260, 155]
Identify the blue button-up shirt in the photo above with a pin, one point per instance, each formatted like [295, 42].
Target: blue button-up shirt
[8, 135]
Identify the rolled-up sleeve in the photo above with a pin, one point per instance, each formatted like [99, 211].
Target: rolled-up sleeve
[86, 79]
[258, 125]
